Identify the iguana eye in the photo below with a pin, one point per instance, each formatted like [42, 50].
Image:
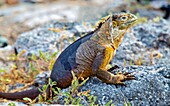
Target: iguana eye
[123, 18]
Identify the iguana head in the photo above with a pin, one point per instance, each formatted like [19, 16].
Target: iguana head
[123, 21]
[119, 23]
[112, 28]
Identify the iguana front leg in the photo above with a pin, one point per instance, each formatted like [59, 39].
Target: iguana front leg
[104, 75]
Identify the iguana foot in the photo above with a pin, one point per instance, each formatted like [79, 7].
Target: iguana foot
[120, 77]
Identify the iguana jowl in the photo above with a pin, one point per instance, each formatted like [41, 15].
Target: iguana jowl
[88, 56]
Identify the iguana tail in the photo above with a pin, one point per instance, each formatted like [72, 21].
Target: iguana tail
[32, 94]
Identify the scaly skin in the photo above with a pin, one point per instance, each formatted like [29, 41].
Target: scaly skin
[89, 56]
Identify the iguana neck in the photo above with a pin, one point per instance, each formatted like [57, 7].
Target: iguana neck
[108, 36]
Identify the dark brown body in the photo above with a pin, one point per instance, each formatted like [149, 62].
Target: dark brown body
[66, 63]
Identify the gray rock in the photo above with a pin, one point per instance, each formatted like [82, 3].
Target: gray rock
[3, 42]
[12, 103]
[151, 88]
[143, 41]
[41, 79]
[42, 39]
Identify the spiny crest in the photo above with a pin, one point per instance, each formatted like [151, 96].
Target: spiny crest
[103, 20]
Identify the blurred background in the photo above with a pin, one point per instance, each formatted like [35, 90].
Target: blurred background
[18, 16]
[30, 28]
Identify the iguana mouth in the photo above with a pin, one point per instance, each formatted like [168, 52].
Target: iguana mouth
[128, 23]
[131, 21]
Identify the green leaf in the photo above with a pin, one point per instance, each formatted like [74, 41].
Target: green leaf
[47, 56]
[50, 81]
[124, 62]
[127, 104]
[44, 88]
[108, 103]
[11, 104]
[67, 94]
[54, 55]
[33, 57]
[2, 70]
[40, 90]
[55, 91]
[7, 80]
[27, 99]
[59, 89]
[84, 81]
[42, 56]
[74, 83]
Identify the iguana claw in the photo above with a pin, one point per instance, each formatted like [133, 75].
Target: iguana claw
[120, 77]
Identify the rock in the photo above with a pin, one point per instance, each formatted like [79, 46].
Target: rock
[12, 103]
[3, 42]
[42, 39]
[151, 88]
[6, 52]
[41, 79]
[142, 42]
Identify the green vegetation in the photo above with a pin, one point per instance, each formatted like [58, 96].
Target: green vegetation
[72, 96]
[25, 69]
[11, 104]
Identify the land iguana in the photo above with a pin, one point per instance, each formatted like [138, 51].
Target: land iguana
[88, 56]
